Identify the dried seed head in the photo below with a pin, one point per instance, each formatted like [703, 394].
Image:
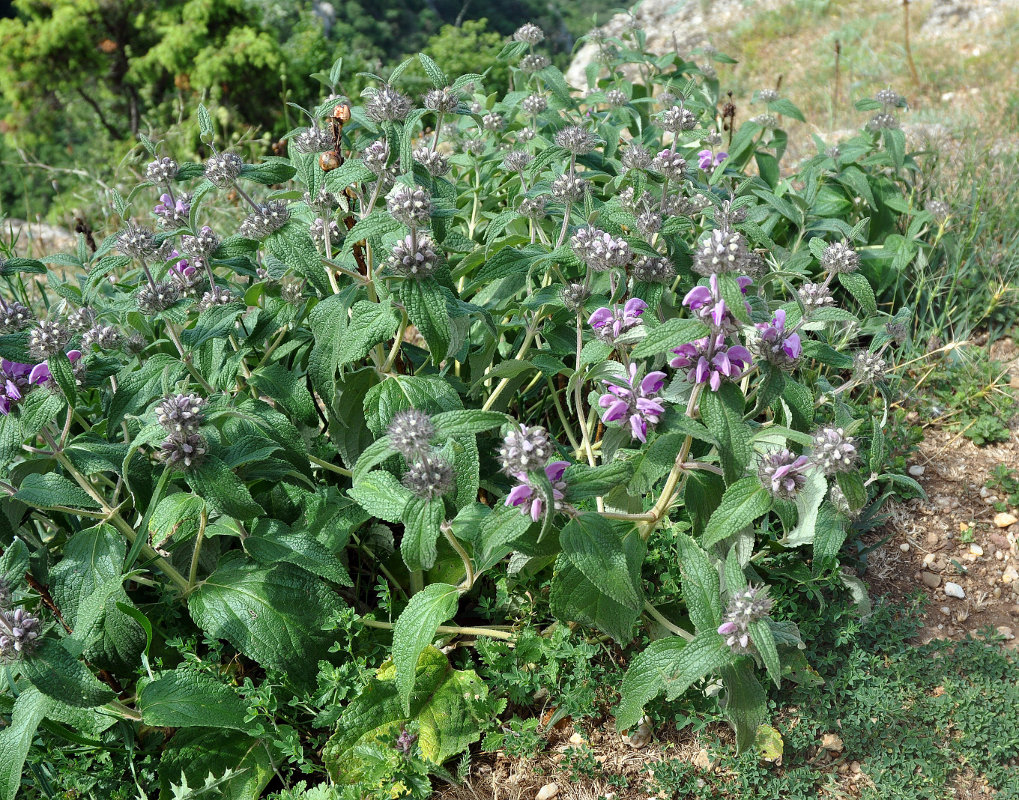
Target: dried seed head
[183, 450]
[517, 160]
[267, 219]
[672, 166]
[152, 299]
[313, 140]
[678, 119]
[47, 339]
[575, 296]
[815, 296]
[769, 121]
[940, 210]
[890, 97]
[677, 205]
[534, 104]
[376, 156]
[201, 245]
[534, 62]
[137, 242]
[767, 95]
[882, 121]
[105, 337]
[649, 222]
[411, 206]
[525, 449]
[323, 202]
[81, 319]
[319, 228]
[473, 147]
[223, 168]
[292, 290]
[429, 476]
[414, 258]
[387, 105]
[162, 170]
[636, 156]
[533, 207]
[840, 258]
[411, 433]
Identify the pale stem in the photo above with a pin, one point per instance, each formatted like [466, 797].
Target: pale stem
[449, 629]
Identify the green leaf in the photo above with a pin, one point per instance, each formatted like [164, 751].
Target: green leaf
[205, 123]
[469, 421]
[12, 266]
[415, 630]
[244, 764]
[58, 674]
[374, 226]
[177, 517]
[212, 480]
[700, 585]
[671, 333]
[597, 547]
[217, 322]
[382, 495]
[743, 502]
[442, 703]
[16, 739]
[808, 501]
[722, 413]
[669, 665]
[398, 392]
[287, 389]
[859, 287]
[746, 703]
[764, 641]
[370, 324]
[186, 698]
[292, 245]
[274, 615]
[269, 172]
[432, 70]
[426, 308]
[271, 541]
[422, 519]
[584, 481]
[51, 490]
[63, 374]
[497, 533]
[786, 108]
[575, 599]
[851, 484]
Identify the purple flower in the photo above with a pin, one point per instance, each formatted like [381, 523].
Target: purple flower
[172, 212]
[532, 502]
[709, 360]
[708, 161]
[783, 473]
[707, 304]
[634, 403]
[774, 346]
[14, 377]
[40, 373]
[610, 323]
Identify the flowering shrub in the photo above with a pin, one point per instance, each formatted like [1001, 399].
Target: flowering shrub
[467, 347]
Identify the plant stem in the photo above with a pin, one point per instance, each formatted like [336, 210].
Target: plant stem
[186, 359]
[193, 572]
[447, 531]
[528, 338]
[346, 473]
[451, 629]
[655, 614]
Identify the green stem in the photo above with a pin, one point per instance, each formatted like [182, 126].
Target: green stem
[193, 572]
[532, 329]
[417, 581]
[447, 531]
[655, 614]
[450, 629]
[346, 473]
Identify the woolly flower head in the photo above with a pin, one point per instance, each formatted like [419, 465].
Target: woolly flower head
[814, 296]
[492, 121]
[137, 242]
[745, 607]
[783, 473]
[840, 258]
[411, 206]
[223, 168]
[216, 296]
[183, 450]
[162, 170]
[599, 250]
[534, 104]
[889, 97]
[181, 413]
[868, 367]
[652, 269]
[939, 209]
[517, 160]
[525, 449]
[670, 165]
[434, 162]
[268, 218]
[375, 156]
[202, 244]
[47, 339]
[882, 121]
[313, 140]
[833, 451]
[636, 156]
[678, 119]
[81, 319]
[14, 316]
[570, 188]
[529, 33]
[105, 337]
[152, 299]
[386, 104]
[767, 95]
[724, 250]
[411, 433]
[533, 207]
[320, 229]
[18, 633]
[771, 343]
[444, 101]
[414, 257]
[576, 140]
[615, 98]
[534, 62]
[575, 296]
[429, 476]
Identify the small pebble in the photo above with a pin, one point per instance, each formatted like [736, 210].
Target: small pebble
[946, 611]
[1010, 575]
[999, 540]
[985, 492]
[547, 792]
[702, 760]
[904, 547]
[976, 549]
[932, 539]
[1004, 520]
[954, 590]
[930, 580]
[999, 555]
[1005, 631]
[916, 470]
[928, 559]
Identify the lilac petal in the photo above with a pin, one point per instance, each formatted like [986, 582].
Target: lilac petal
[599, 317]
[653, 382]
[779, 321]
[40, 374]
[720, 158]
[715, 382]
[726, 628]
[555, 470]
[744, 640]
[536, 508]
[722, 364]
[718, 313]
[73, 355]
[650, 407]
[744, 283]
[634, 307]
[793, 348]
[703, 370]
[638, 427]
[616, 411]
[519, 494]
[697, 297]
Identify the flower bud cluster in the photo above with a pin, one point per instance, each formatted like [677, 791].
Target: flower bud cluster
[428, 475]
[745, 607]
